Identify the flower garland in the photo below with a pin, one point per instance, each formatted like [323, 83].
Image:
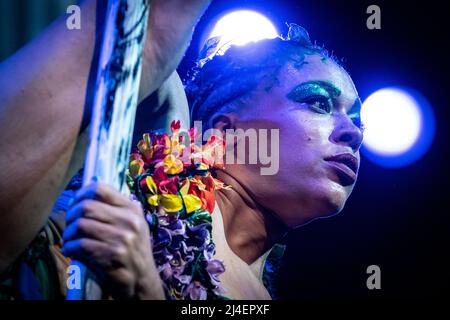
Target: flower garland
[178, 199]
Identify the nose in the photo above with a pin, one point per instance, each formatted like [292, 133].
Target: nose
[347, 133]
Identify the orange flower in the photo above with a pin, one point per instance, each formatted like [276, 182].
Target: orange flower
[152, 197]
[136, 167]
[145, 147]
[166, 143]
[212, 183]
[207, 197]
[204, 188]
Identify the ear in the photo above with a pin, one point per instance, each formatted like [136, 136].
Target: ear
[224, 121]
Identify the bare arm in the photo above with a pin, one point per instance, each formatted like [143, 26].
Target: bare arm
[42, 92]
[166, 104]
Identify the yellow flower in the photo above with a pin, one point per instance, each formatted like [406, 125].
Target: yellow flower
[203, 166]
[153, 197]
[174, 203]
[171, 202]
[151, 185]
[171, 164]
[192, 202]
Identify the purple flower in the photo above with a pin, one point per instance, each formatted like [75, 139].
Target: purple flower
[176, 226]
[161, 239]
[196, 291]
[198, 236]
[215, 268]
[165, 271]
[184, 279]
[163, 256]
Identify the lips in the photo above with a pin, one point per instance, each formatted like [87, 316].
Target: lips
[346, 167]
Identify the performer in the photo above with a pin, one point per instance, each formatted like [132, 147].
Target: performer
[286, 84]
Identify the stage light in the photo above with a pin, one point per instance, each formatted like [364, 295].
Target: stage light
[243, 26]
[399, 126]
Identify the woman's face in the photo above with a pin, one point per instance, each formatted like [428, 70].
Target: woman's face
[316, 109]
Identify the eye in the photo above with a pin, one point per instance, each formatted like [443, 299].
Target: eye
[319, 104]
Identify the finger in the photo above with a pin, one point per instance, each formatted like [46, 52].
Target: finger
[88, 228]
[91, 209]
[83, 247]
[102, 192]
[99, 211]
[94, 254]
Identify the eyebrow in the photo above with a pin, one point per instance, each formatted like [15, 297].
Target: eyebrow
[332, 90]
[329, 86]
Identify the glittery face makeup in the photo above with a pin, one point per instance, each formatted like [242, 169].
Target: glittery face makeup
[312, 88]
[320, 97]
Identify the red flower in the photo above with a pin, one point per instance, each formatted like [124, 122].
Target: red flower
[192, 134]
[159, 175]
[175, 125]
[169, 186]
[164, 183]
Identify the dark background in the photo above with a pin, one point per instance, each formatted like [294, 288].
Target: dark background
[397, 219]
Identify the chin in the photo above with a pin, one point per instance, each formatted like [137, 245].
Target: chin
[325, 209]
[327, 199]
[335, 202]
[328, 204]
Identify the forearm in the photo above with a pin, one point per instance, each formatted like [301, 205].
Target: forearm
[158, 111]
[176, 102]
[171, 25]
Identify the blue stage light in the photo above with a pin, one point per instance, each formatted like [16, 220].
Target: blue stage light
[399, 126]
[241, 27]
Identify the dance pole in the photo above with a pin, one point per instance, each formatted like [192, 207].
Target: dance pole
[114, 101]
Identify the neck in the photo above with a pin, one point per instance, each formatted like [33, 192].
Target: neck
[250, 229]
